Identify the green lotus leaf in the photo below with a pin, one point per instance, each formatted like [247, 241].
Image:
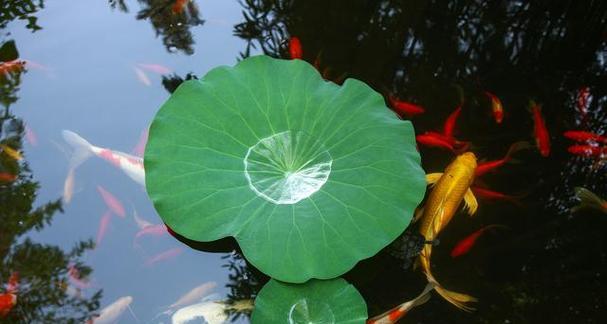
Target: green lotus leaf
[315, 302]
[308, 176]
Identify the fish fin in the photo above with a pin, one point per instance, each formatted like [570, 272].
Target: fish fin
[419, 212]
[82, 149]
[515, 147]
[432, 178]
[588, 199]
[459, 300]
[470, 202]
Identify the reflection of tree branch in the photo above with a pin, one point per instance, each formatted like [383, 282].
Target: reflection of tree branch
[174, 27]
[22, 10]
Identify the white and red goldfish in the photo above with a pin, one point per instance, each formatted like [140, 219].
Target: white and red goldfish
[112, 313]
[392, 316]
[132, 166]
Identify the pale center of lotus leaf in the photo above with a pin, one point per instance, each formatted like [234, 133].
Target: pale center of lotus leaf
[287, 167]
[310, 312]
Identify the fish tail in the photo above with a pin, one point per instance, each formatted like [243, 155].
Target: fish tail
[459, 300]
[515, 147]
[82, 149]
[588, 200]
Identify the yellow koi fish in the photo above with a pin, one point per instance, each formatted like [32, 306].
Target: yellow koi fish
[450, 188]
[14, 154]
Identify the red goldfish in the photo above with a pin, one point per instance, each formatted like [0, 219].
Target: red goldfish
[8, 300]
[112, 202]
[449, 126]
[487, 166]
[156, 68]
[588, 150]
[154, 230]
[464, 246]
[139, 149]
[542, 137]
[30, 136]
[295, 49]
[582, 136]
[392, 316]
[496, 107]
[433, 139]
[142, 77]
[494, 195]
[404, 108]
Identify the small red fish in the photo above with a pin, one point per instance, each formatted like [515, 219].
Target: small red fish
[588, 150]
[104, 222]
[496, 107]
[7, 302]
[7, 177]
[582, 101]
[449, 126]
[485, 167]
[432, 139]
[464, 246]
[30, 136]
[542, 137]
[178, 6]
[404, 108]
[163, 256]
[112, 202]
[142, 77]
[494, 195]
[583, 136]
[295, 49]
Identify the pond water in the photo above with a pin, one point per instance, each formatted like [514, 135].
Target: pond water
[102, 69]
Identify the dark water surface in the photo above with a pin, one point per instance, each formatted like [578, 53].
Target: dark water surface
[86, 72]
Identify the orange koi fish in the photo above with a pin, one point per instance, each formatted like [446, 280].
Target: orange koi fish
[449, 126]
[11, 152]
[404, 108]
[295, 49]
[464, 246]
[588, 150]
[163, 256]
[450, 189]
[542, 137]
[178, 6]
[7, 177]
[392, 316]
[583, 136]
[112, 202]
[155, 68]
[132, 166]
[104, 222]
[488, 166]
[30, 136]
[496, 107]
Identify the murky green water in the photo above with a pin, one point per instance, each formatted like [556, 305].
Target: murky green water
[101, 69]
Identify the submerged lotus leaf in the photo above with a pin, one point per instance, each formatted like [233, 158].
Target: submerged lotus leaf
[308, 176]
[315, 302]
